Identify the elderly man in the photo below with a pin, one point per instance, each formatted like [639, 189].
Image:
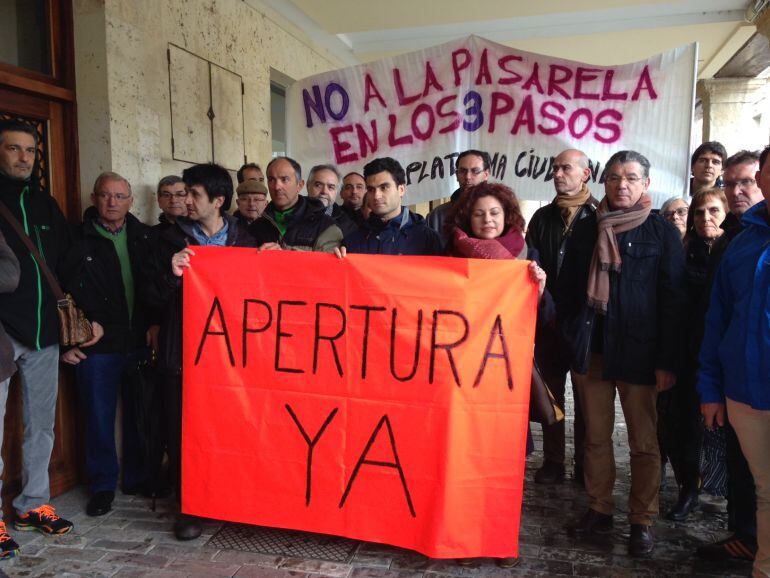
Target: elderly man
[30, 319]
[734, 370]
[622, 298]
[290, 220]
[471, 168]
[102, 271]
[323, 183]
[550, 232]
[706, 166]
[251, 200]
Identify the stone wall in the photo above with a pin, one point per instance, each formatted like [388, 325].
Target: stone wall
[124, 118]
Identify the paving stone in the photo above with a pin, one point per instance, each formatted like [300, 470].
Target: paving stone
[150, 526]
[179, 551]
[249, 571]
[334, 569]
[60, 553]
[134, 559]
[251, 558]
[124, 546]
[382, 573]
[134, 572]
[202, 568]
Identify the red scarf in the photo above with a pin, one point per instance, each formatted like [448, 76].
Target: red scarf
[507, 246]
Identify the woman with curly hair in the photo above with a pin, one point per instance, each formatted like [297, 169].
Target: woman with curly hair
[486, 223]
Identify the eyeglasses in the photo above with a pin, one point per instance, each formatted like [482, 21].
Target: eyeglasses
[630, 179]
[680, 212]
[713, 211]
[743, 183]
[117, 196]
[168, 195]
[474, 171]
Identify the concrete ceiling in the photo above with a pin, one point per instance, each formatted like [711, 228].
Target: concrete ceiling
[600, 32]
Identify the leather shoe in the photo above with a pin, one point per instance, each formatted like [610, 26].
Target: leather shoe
[592, 522]
[686, 504]
[187, 527]
[640, 543]
[100, 503]
[550, 473]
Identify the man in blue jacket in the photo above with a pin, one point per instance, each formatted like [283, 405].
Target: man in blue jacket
[391, 229]
[734, 375]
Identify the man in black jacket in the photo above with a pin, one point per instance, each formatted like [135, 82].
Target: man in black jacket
[31, 321]
[209, 195]
[290, 220]
[621, 318]
[102, 272]
[471, 167]
[550, 231]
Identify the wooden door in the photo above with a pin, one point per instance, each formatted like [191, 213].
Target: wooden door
[44, 98]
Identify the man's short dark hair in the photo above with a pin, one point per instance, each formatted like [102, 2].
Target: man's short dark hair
[763, 156]
[386, 164]
[713, 147]
[239, 174]
[168, 181]
[212, 177]
[624, 157]
[17, 126]
[742, 158]
[294, 164]
[317, 168]
[476, 153]
[353, 173]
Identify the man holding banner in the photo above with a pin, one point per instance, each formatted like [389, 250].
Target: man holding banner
[623, 328]
[209, 190]
[391, 229]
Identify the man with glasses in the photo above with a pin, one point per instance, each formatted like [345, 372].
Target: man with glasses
[171, 200]
[323, 183]
[472, 168]
[621, 312]
[706, 166]
[551, 231]
[741, 189]
[103, 271]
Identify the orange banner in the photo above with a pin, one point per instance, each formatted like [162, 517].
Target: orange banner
[373, 397]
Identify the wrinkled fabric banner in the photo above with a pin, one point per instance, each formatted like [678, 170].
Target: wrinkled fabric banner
[375, 398]
[425, 107]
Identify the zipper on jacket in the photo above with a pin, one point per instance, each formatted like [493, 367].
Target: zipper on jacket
[37, 270]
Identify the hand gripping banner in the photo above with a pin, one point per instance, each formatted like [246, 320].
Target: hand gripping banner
[378, 398]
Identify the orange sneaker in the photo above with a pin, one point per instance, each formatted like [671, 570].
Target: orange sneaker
[43, 519]
[8, 546]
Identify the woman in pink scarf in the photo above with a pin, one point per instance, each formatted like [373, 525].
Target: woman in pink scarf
[486, 223]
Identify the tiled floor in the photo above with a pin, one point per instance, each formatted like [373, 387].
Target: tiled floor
[134, 541]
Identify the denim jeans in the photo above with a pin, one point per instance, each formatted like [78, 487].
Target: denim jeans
[100, 378]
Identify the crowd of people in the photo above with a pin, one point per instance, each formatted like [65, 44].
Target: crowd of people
[667, 308]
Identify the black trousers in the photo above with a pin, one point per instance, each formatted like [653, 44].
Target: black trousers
[741, 495]
[682, 433]
[554, 373]
[172, 401]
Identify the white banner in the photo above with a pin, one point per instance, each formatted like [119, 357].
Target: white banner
[425, 107]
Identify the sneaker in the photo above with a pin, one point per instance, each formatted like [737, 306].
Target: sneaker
[733, 548]
[43, 519]
[8, 546]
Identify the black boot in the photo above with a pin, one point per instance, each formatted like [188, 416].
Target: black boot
[687, 503]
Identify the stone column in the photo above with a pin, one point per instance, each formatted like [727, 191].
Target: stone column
[729, 110]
